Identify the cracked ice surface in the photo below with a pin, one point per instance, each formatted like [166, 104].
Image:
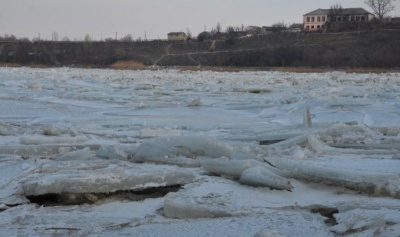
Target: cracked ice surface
[74, 131]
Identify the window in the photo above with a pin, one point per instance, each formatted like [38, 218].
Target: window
[308, 19]
[318, 26]
[323, 19]
[312, 27]
[319, 19]
[312, 19]
[352, 18]
[357, 18]
[308, 27]
[362, 18]
[322, 26]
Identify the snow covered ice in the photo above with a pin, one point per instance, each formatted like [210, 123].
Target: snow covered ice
[175, 153]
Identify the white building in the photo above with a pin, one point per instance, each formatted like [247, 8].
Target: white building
[316, 20]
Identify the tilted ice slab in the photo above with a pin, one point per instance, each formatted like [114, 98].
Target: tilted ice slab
[385, 221]
[376, 183]
[234, 163]
[101, 177]
[248, 172]
[12, 170]
[187, 146]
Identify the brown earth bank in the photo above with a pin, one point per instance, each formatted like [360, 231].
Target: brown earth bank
[350, 51]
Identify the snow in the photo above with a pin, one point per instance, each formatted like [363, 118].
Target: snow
[236, 153]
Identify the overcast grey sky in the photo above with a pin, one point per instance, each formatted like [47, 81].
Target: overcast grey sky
[102, 18]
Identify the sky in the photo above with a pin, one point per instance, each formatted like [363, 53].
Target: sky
[150, 19]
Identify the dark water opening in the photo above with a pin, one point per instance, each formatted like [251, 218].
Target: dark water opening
[64, 199]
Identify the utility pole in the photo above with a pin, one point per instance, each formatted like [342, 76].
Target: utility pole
[116, 36]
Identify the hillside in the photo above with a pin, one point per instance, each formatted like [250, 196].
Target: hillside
[377, 49]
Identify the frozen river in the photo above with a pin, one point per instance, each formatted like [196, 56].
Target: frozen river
[90, 152]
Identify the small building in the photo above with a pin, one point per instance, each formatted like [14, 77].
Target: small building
[204, 36]
[237, 34]
[181, 36]
[317, 19]
[253, 30]
[295, 28]
[266, 30]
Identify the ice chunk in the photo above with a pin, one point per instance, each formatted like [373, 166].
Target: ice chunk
[51, 130]
[6, 130]
[369, 182]
[307, 118]
[290, 142]
[182, 146]
[233, 168]
[260, 176]
[111, 153]
[188, 146]
[195, 102]
[42, 150]
[317, 145]
[363, 219]
[101, 176]
[159, 132]
[82, 154]
[184, 207]
[55, 130]
[37, 140]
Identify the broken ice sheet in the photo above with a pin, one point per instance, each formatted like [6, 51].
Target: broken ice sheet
[101, 176]
[182, 146]
[188, 146]
[38, 140]
[12, 170]
[109, 152]
[358, 219]
[369, 182]
[249, 172]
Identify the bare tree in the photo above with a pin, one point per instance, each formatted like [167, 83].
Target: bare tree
[230, 29]
[88, 38]
[127, 38]
[218, 27]
[278, 27]
[65, 39]
[334, 11]
[188, 33]
[9, 38]
[54, 36]
[380, 7]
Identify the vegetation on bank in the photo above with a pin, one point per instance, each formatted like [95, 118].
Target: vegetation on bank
[357, 49]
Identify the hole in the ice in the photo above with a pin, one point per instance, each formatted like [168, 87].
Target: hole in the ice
[327, 212]
[53, 199]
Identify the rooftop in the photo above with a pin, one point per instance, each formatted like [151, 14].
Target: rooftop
[343, 11]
